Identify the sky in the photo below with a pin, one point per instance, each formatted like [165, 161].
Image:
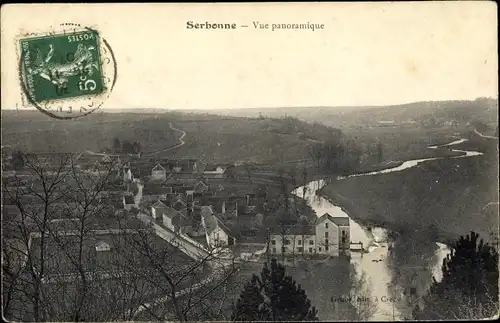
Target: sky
[367, 53]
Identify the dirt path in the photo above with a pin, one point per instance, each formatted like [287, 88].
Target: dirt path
[180, 144]
[484, 136]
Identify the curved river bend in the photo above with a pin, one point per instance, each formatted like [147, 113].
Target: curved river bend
[376, 263]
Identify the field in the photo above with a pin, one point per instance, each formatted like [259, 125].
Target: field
[213, 138]
[406, 143]
[446, 195]
[31, 131]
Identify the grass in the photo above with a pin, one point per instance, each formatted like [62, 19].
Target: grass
[447, 195]
[213, 138]
[34, 132]
[320, 280]
[405, 143]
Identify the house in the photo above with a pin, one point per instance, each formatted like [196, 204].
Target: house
[176, 221]
[128, 202]
[158, 173]
[155, 191]
[387, 123]
[328, 236]
[102, 246]
[214, 171]
[157, 209]
[185, 166]
[127, 173]
[332, 234]
[201, 187]
[217, 234]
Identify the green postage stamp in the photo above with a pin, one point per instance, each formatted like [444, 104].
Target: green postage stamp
[62, 66]
[66, 74]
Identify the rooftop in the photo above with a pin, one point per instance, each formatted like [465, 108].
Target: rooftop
[129, 199]
[294, 230]
[339, 221]
[125, 251]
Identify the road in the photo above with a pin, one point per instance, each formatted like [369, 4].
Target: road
[484, 136]
[180, 144]
[192, 249]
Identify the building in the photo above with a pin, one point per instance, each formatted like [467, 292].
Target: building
[157, 209]
[328, 236]
[214, 171]
[158, 173]
[154, 192]
[127, 172]
[201, 186]
[217, 233]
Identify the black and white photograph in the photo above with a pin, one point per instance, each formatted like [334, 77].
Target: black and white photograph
[322, 161]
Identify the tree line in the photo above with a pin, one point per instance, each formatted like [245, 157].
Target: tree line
[340, 156]
[126, 147]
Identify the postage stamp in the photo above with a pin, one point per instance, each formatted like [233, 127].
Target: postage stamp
[66, 73]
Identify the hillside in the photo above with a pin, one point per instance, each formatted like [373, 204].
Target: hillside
[212, 137]
[34, 132]
[485, 110]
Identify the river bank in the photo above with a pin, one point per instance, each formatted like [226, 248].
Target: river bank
[367, 220]
[443, 198]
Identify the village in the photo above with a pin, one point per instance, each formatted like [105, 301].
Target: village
[203, 206]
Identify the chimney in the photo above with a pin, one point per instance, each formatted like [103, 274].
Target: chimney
[248, 199]
[223, 207]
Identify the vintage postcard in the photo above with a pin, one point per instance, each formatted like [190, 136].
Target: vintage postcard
[250, 161]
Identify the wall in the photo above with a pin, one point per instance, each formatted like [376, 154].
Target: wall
[218, 237]
[158, 174]
[347, 244]
[333, 238]
[293, 246]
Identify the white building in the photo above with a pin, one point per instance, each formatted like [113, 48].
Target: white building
[217, 234]
[328, 236]
[158, 172]
[214, 171]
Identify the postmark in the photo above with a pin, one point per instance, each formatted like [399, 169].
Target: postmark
[68, 72]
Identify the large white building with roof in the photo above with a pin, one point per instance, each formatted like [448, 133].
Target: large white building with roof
[328, 236]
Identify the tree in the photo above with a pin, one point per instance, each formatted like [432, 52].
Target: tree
[137, 147]
[380, 152]
[127, 147]
[469, 288]
[17, 160]
[57, 196]
[117, 146]
[273, 297]
[361, 289]
[480, 126]
[57, 216]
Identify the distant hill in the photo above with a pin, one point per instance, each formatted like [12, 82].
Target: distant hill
[482, 109]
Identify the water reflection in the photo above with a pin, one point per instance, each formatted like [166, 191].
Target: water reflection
[399, 267]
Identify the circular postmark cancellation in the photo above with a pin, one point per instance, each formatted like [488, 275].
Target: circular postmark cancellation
[68, 72]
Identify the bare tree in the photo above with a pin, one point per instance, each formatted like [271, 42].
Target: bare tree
[51, 268]
[33, 197]
[362, 300]
[53, 198]
[181, 284]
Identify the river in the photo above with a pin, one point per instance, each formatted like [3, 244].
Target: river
[390, 274]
